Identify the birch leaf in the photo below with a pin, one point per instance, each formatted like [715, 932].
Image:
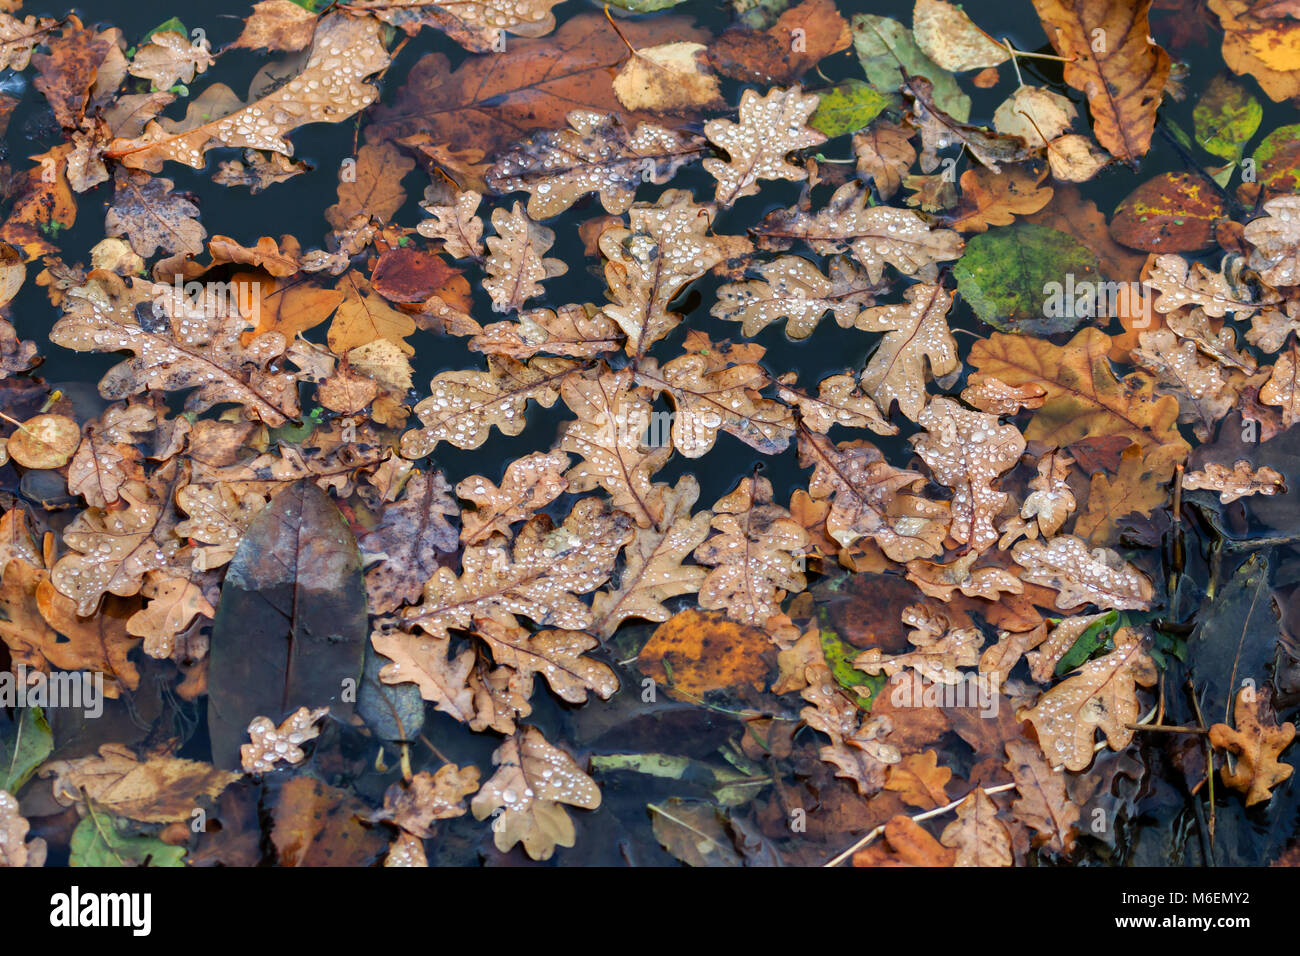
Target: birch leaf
[946, 35]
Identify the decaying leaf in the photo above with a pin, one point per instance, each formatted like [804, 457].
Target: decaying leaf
[1256, 743]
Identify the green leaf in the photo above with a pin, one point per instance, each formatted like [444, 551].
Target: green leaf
[172, 25]
[883, 45]
[1277, 160]
[1029, 278]
[1086, 644]
[839, 658]
[102, 839]
[847, 108]
[1226, 117]
[23, 748]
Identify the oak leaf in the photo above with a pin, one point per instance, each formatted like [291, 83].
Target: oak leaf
[168, 58]
[413, 532]
[533, 780]
[793, 288]
[839, 401]
[1123, 77]
[530, 483]
[1043, 803]
[1100, 695]
[516, 263]
[653, 569]
[145, 209]
[771, 127]
[1082, 576]
[460, 230]
[967, 451]
[940, 649]
[873, 235]
[978, 836]
[330, 88]
[179, 343]
[1239, 481]
[753, 554]
[428, 797]
[916, 340]
[1256, 743]
[155, 790]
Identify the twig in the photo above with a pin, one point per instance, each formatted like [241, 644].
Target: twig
[1209, 765]
[916, 818]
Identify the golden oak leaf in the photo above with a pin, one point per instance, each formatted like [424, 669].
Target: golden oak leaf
[533, 780]
[1256, 743]
[1043, 803]
[910, 844]
[555, 654]
[530, 483]
[428, 797]
[270, 744]
[1082, 576]
[978, 836]
[771, 127]
[940, 580]
[665, 246]
[168, 58]
[967, 451]
[113, 550]
[610, 439]
[428, 663]
[1239, 481]
[155, 790]
[873, 235]
[1100, 695]
[1132, 490]
[174, 602]
[463, 406]
[539, 577]
[1283, 386]
[330, 88]
[1084, 398]
[919, 780]
[1051, 500]
[869, 499]
[792, 288]
[857, 750]
[916, 340]
[1123, 76]
[179, 343]
[373, 186]
[653, 570]
[708, 400]
[572, 330]
[996, 199]
[839, 401]
[940, 649]
[754, 554]
[18, 38]
[516, 263]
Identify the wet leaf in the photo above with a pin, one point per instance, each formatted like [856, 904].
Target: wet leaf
[291, 626]
[1080, 576]
[1256, 743]
[948, 37]
[771, 127]
[886, 48]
